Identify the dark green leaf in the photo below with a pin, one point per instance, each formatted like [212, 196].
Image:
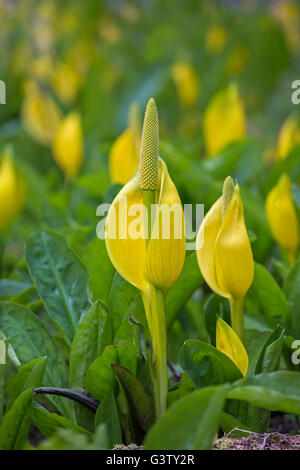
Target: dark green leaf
[190, 423]
[100, 379]
[206, 365]
[48, 423]
[107, 414]
[60, 278]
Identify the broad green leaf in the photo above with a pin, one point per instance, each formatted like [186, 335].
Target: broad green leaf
[100, 379]
[68, 439]
[86, 344]
[12, 421]
[292, 291]
[276, 391]
[270, 356]
[185, 387]
[190, 423]
[30, 374]
[60, 279]
[267, 295]
[254, 341]
[188, 281]
[48, 423]
[107, 414]
[31, 340]
[100, 268]
[206, 365]
[136, 399]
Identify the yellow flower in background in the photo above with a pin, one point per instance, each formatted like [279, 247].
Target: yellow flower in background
[228, 342]
[149, 250]
[65, 82]
[282, 217]
[288, 137]
[224, 120]
[224, 252]
[40, 114]
[288, 14]
[124, 153]
[187, 83]
[12, 189]
[215, 39]
[67, 145]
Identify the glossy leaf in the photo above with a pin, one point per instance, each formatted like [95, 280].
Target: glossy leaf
[206, 365]
[190, 423]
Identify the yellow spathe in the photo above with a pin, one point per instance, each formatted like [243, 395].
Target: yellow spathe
[187, 83]
[228, 342]
[288, 137]
[68, 145]
[224, 120]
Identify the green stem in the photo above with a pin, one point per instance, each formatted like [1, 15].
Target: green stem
[154, 302]
[237, 316]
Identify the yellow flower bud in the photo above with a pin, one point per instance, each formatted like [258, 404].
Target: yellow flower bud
[223, 248]
[68, 145]
[123, 157]
[228, 342]
[40, 114]
[216, 38]
[288, 137]
[186, 82]
[224, 120]
[282, 216]
[12, 189]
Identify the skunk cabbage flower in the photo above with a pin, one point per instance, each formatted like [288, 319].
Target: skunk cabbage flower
[124, 154]
[65, 82]
[282, 216]
[68, 145]
[186, 82]
[224, 252]
[228, 342]
[40, 114]
[149, 250]
[160, 261]
[288, 137]
[12, 189]
[224, 120]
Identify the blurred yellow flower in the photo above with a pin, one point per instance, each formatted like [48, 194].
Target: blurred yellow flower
[40, 114]
[288, 14]
[187, 83]
[224, 252]
[288, 137]
[228, 342]
[215, 39]
[282, 217]
[65, 82]
[12, 189]
[124, 153]
[67, 145]
[224, 120]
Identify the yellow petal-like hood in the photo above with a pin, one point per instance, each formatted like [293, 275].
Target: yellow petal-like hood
[40, 114]
[123, 159]
[68, 145]
[187, 83]
[281, 215]
[228, 342]
[166, 249]
[223, 248]
[234, 263]
[12, 190]
[161, 262]
[288, 137]
[224, 120]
